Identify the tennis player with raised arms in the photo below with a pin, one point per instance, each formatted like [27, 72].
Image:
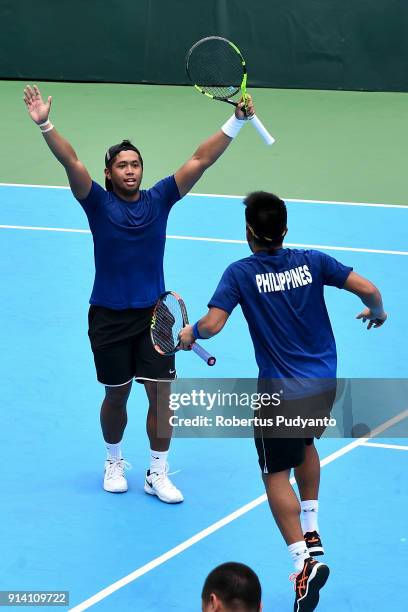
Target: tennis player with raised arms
[128, 227]
[280, 291]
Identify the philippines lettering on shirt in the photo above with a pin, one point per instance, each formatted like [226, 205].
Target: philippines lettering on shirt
[282, 281]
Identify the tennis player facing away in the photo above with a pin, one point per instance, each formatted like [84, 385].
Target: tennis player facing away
[280, 292]
[231, 587]
[128, 226]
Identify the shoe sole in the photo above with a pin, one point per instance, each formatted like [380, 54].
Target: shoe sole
[115, 491]
[150, 491]
[315, 551]
[317, 580]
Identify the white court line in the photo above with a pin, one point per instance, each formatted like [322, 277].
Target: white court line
[144, 569]
[293, 244]
[393, 446]
[301, 201]
[46, 229]
[220, 240]
[35, 186]
[233, 197]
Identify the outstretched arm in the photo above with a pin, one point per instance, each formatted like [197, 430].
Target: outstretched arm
[208, 152]
[208, 326]
[370, 296]
[39, 110]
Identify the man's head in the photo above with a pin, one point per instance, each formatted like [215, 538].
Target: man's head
[266, 219]
[123, 169]
[232, 587]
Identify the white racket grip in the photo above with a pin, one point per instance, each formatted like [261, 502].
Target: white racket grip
[263, 132]
[201, 352]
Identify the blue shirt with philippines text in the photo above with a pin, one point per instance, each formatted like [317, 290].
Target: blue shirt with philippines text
[129, 240]
[281, 296]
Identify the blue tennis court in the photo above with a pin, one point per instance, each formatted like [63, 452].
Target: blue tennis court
[61, 531]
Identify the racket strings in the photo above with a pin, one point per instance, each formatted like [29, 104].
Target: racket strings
[216, 68]
[168, 324]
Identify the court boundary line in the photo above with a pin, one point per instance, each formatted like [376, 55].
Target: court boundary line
[235, 197]
[219, 240]
[302, 200]
[173, 552]
[391, 446]
[35, 228]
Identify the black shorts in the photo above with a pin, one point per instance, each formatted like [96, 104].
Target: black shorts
[276, 454]
[122, 348]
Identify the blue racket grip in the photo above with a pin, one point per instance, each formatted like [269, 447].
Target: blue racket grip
[209, 359]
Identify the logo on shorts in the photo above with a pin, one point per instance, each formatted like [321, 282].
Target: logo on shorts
[172, 371]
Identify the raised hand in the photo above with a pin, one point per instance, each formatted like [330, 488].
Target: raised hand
[37, 108]
[245, 108]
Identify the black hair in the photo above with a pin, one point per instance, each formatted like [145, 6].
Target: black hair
[266, 217]
[236, 585]
[111, 153]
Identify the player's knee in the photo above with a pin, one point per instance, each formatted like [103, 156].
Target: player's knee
[158, 394]
[117, 396]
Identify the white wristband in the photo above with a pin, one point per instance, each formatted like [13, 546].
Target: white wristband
[40, 125]
[48, 129]
[232, 126]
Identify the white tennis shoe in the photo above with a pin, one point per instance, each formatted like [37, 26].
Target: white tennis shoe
[114, 479]
[160, 484]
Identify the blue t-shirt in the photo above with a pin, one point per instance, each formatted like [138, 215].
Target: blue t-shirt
[281, 296]
[129, 240]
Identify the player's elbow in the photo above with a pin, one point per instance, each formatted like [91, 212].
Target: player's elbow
[202, 162]
[360, 286]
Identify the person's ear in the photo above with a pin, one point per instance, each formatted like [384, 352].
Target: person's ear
[214, 605]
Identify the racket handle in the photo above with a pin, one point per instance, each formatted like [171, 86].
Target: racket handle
[259, 126]
[209, 359]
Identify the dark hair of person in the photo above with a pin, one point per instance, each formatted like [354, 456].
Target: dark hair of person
[111, 153]
[266, 218]
[236, 585]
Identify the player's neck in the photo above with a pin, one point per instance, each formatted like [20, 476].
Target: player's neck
[258, 249]
[127, 197]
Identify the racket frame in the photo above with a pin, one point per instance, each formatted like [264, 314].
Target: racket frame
[199, 350]
[243, 85]
[258, 125]
[153, 321]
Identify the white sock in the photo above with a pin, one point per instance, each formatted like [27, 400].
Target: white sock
[298, 553]
[158, 461]
[114, 451]
[310, 509]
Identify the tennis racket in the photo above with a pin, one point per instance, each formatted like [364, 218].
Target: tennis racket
[168, 319]
[217, 69]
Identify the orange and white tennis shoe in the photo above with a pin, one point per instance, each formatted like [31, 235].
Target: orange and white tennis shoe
[308, 583]
[313, 543]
